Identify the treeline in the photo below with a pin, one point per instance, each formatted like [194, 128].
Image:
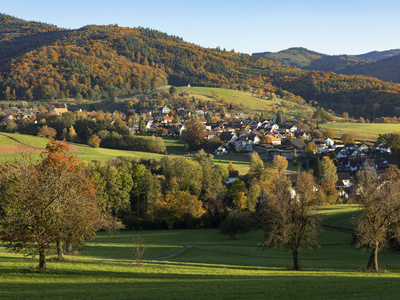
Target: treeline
[178, 192]
[174, 192]
[105, 61]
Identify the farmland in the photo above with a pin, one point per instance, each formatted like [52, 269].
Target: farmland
[366, 132]
[204, 264]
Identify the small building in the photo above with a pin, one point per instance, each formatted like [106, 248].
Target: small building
[60, 111]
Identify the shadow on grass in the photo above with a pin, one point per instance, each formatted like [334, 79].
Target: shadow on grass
[157, 281]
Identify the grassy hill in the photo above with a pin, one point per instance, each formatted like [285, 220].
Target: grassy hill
[86, 153]
[199, 264]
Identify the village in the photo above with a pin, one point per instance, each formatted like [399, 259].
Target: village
[240, 133]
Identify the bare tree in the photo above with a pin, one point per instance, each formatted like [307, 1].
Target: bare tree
[139, 248]
[379, 220]
[287, 216]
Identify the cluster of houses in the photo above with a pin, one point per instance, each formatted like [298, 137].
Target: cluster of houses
[267, 138]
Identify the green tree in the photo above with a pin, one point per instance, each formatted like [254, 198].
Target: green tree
[142, 126]
[325, 170]
[236, 222]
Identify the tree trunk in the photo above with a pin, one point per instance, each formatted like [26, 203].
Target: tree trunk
[296, 265]
[68, 248]
[42, 260]
[373, 259]
[60, 250]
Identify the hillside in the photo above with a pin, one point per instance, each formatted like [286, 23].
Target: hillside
[383, 65]
[296, 57]
[378, 55]
[99, 62]
[387, 69]
[311, 60]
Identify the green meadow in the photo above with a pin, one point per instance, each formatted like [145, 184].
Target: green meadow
[251, 103]
[174, 147]
[202, 264]
[366, 132]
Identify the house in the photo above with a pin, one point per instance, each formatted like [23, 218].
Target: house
[223, 149]
[289, 127]
[134, 128]
[241, 115]
[271, 128]
[165, 110]
[344, 180]
[227, 136]
[381, 147]
[246, 142]
[294, 144]
[60, 111]
[329, 142]
[233, 176]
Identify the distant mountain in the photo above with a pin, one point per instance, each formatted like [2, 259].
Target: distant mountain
[311, 60]
[296, 57]
[43, 62]
[378, 55]
[383, 65]
[387, 69]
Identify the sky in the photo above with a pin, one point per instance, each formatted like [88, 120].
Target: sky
[327, 26]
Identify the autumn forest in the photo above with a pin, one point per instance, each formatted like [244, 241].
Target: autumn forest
[40, 61]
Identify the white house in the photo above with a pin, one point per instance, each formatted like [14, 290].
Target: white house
[165, 110]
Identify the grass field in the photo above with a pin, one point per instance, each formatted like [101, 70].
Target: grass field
[366, 132]
[202, 264]
[251, 103]
[86, 153]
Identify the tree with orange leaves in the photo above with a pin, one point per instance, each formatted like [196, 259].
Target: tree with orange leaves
[46, 202]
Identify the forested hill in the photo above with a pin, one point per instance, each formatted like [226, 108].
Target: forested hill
[311, 60]
[387, 69]
[40, 61]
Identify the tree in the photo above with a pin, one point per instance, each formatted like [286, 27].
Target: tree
[348, 138]
[175, 206]
[379, 219]
[280, 163]
[329, 133]
[72, 134]
[48, 202]
[325, 170]
[194, 134]
[231, 167]
[256, 167]
[310, 149]
[391, 140]
[46, 131]
[287, 217]
[236, 222]
[142, 126]
[94, 141]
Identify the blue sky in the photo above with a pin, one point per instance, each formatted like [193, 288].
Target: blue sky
[327, 26]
